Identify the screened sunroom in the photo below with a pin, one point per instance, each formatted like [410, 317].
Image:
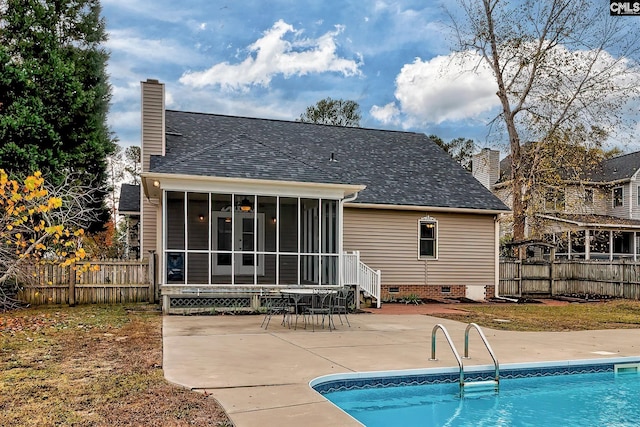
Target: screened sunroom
[230, 239]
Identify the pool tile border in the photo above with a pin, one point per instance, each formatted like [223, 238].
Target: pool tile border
[415, 377]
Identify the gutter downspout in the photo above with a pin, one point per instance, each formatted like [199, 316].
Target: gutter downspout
[341, 247]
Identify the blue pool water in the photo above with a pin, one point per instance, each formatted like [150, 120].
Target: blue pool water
[582, 395]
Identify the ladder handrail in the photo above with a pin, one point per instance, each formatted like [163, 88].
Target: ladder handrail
[486, 343]
[453, 348]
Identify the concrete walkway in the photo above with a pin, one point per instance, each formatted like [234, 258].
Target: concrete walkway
[261, 376]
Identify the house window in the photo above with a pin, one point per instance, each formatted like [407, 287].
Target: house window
[617, 196]
[588, 196]
[554, 200]
[638, 195]
[428, 237]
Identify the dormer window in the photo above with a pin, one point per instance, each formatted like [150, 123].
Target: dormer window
[617, 196]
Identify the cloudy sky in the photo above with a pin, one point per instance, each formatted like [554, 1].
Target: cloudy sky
[272, 59]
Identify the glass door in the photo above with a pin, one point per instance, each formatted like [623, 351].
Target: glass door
[236, 237]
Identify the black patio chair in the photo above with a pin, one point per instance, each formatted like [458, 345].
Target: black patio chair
[341, 304]
[321, 308]
[275, 306]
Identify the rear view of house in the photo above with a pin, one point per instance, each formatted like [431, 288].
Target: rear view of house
[236, 207]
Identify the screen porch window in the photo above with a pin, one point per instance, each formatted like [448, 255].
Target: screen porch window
[427, 238]
[250, 239]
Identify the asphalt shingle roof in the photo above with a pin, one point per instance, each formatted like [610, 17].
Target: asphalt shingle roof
[593, 220]
[617, 168]
[129, 198]
[610, 170]
[398, 168]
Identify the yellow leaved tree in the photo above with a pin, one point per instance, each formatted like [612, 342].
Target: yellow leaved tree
[38, 223]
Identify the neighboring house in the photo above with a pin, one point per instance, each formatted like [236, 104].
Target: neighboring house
[235, 207]
[129, 208]
[594, 217]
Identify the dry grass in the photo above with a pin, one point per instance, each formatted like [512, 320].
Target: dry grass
[92, 366]
[616, 314]
[101, 366]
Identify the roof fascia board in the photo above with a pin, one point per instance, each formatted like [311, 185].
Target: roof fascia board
[425, 208]
[180, 182]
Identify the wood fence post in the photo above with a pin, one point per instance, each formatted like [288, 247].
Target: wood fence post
[552, 272]
[519, 264]
[72, 285]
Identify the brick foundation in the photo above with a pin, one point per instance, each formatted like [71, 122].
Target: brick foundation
[490, 291]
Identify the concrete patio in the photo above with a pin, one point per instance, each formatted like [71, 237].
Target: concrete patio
[261, 376]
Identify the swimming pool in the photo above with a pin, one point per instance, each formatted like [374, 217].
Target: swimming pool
[573, 393]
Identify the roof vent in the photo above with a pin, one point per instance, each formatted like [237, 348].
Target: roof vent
[333, 158]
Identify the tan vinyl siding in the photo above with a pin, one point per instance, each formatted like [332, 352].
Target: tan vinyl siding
[152, 144]
[388, 241]
[149, 228]
[152, 121]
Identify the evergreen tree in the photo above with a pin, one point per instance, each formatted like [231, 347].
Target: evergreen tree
[336, 112]
[461, 149]
[54, 92]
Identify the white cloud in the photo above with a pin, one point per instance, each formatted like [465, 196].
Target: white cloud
[166, 12]
[445, 88]
[126, 42]
[272, 55]
[126, 93]
[389, 114]
[125, 119]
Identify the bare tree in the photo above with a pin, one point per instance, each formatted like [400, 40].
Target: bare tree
[133, 167]
[123, 167]
[564, 71]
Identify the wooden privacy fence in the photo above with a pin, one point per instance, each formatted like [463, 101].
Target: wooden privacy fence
[107, 282]
[538, 278]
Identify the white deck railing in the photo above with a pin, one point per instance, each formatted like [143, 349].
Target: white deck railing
[356, 273]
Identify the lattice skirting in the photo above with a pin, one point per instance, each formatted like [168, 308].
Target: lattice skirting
[250, 303]
[210, 302]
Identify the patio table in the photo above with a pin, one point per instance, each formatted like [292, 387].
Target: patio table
[297, 295]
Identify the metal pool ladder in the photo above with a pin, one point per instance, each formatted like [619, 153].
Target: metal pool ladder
[495, 383]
